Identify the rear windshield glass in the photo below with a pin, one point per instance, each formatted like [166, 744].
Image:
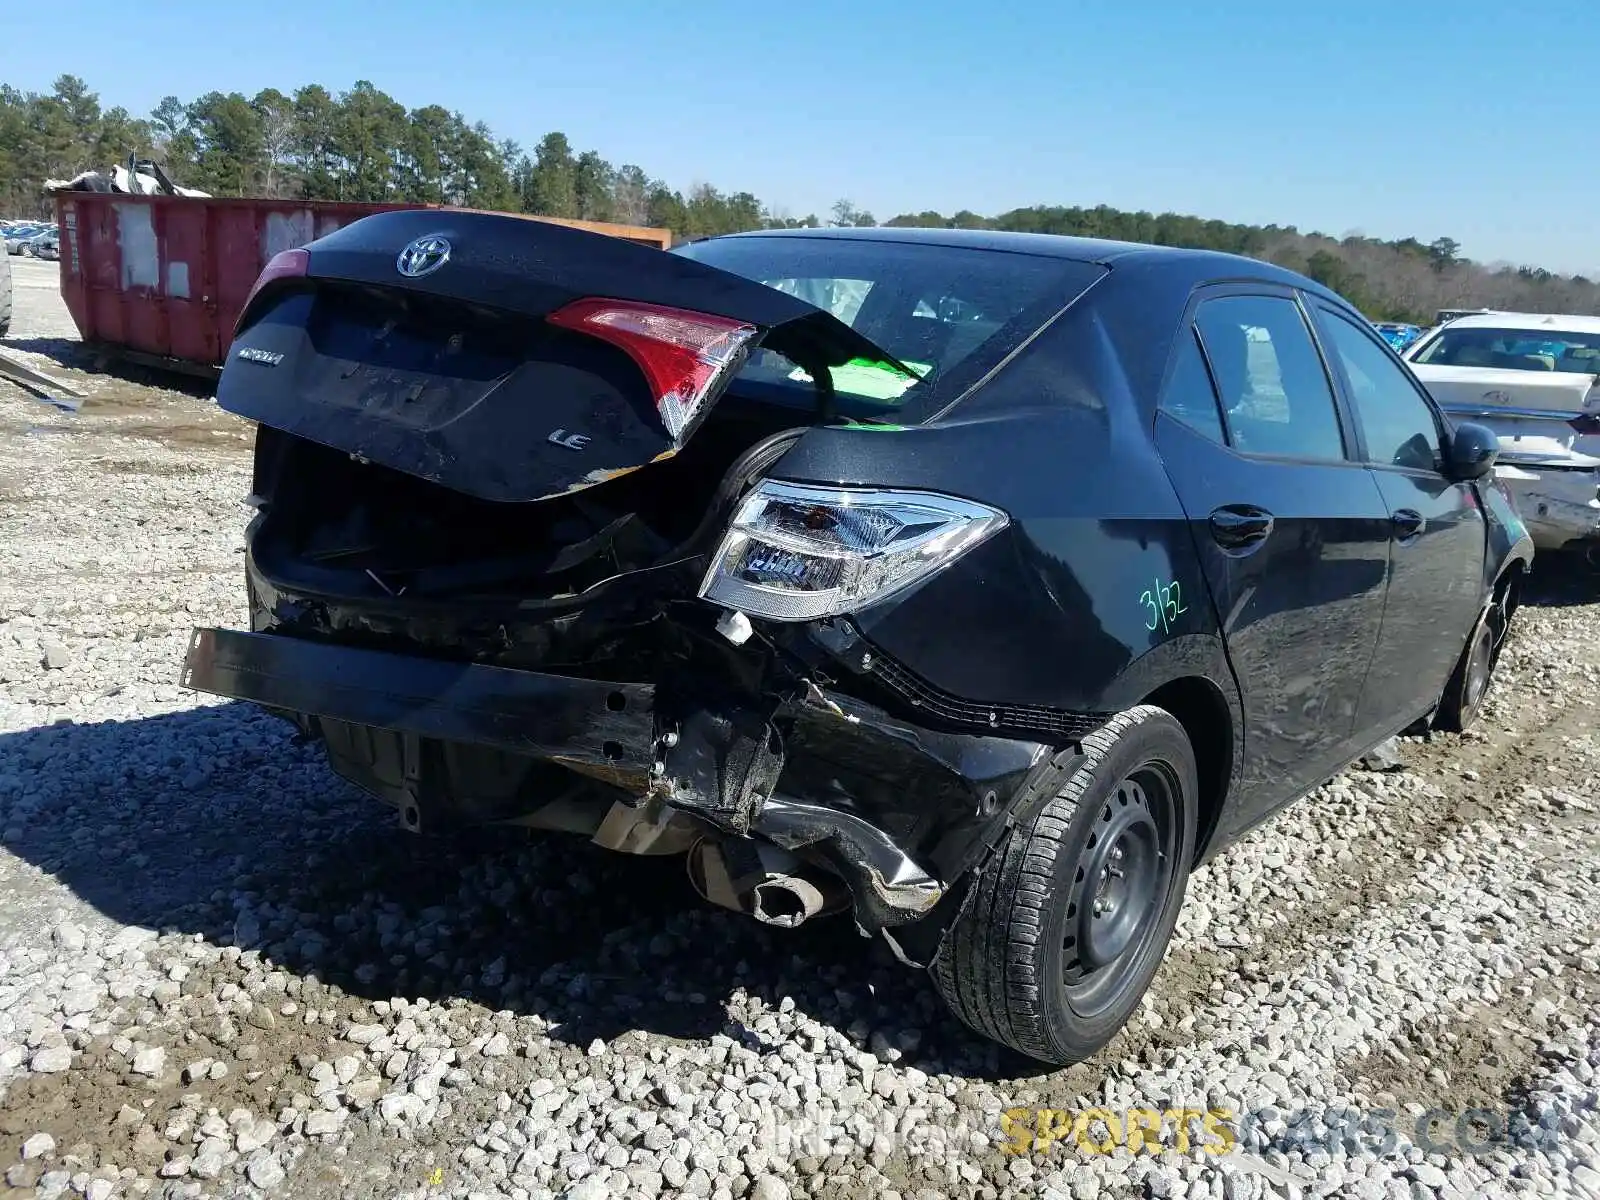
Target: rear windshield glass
[1514, 350]
[935, 308]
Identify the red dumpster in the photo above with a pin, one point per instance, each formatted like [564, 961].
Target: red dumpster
[161, 279]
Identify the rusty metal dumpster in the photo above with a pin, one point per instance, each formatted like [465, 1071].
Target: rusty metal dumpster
[161, 280]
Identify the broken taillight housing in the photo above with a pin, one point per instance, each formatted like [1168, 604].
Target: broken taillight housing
[800, 553]
[286, 264]
[683, 354]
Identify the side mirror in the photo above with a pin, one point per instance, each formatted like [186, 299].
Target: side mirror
[1472, 451]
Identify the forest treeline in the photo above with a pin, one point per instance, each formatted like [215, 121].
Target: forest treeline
[362, 144]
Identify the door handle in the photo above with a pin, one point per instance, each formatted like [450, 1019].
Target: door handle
[1240, 526]
[1408, 524]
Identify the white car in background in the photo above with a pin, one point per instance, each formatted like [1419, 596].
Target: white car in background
[1535, 380]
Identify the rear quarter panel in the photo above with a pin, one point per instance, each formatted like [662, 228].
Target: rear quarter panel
[1093, 596]
[1509, 540]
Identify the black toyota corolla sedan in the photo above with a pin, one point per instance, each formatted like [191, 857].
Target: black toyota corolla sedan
[977, 585]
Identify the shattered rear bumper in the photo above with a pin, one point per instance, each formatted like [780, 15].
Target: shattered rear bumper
[600, 729]
[1558, 502]
[896, 811]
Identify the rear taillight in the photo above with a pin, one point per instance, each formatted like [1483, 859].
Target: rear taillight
[683, 354]
[799, 553]
[286, 264]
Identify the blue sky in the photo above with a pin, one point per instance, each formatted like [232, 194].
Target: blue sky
[1391, 119]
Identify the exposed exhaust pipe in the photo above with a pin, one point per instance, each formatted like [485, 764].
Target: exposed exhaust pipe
[890, 883]
[760, 881]
[786, 901]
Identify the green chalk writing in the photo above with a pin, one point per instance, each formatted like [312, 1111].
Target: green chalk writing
[1164, 603]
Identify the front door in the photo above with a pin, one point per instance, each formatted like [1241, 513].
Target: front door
[1438, 533]
[1293, 534]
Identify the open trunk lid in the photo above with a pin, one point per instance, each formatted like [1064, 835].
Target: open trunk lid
[506, 358]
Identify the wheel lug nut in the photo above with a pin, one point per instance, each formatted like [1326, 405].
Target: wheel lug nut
[1101, 906]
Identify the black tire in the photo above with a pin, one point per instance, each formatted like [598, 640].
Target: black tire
[1469, 683]
[5, 295]
[1018, 962]
[1463, 696]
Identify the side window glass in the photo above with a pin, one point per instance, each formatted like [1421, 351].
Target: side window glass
[1399, 426]
[1189, 396]
[1274, 390]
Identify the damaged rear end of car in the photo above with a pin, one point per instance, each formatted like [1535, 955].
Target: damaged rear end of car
[523, 554]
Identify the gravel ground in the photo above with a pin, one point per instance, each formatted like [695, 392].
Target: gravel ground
[223, 972]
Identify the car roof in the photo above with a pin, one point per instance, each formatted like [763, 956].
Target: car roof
[1533, 322]
[1051, 245]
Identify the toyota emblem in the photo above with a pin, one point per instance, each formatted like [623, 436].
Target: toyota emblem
[423, 256]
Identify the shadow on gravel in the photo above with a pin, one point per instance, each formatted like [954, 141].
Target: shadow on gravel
[76, 356]
[217, 822]
[1561, 579]
[66, 352]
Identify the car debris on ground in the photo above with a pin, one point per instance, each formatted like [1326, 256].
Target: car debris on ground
[1386, 756]
[17, 371]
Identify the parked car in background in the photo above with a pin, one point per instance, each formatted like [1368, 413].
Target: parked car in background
[981, 599]
[1535, 380]
[1398, 334]
[1445, 315]
[18, 235]
[45, 245]
[28, 243]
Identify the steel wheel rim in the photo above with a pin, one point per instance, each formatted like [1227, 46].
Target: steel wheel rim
[1120, 888]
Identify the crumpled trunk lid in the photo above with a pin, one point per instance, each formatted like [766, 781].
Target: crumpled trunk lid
[473, 374]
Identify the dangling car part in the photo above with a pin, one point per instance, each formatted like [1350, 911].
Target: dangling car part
[977, 585]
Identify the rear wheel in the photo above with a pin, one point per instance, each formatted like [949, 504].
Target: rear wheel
[1066, 923]
[1463, 695]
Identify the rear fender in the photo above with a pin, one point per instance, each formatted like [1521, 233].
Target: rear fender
[1096, 567]
[1509, 545]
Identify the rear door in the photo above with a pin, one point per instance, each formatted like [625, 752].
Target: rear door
[1293, 533]
[1437, 529]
